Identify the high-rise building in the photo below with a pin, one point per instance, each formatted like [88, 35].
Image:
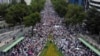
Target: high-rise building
[94, 4]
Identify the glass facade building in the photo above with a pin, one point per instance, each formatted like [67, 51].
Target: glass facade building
[83, 3]
[78, 2]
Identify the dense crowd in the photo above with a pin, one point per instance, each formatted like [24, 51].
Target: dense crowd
[52, 24]
[65, 38]
[30, 46]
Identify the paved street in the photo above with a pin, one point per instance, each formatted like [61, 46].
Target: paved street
[51, 24]
[68, 43]
[6, 37]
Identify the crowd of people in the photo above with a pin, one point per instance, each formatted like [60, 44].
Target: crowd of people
[30, 46]
[51, 23]
[65, 38]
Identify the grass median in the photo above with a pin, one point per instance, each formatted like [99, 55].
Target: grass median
[51, 50]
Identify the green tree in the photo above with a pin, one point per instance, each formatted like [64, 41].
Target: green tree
[37, 5]
[93, 21]
[23, 2]
[32, 19]
[75, 15]
[14, 2]
[17, 12]
[3, 8]
[9, 19]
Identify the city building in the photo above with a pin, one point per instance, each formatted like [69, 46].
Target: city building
[94, 4]
[83, 3]
[28, 2]
[78, 2]
[5, 1]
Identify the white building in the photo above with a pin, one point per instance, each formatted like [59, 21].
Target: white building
[5, 1]
[94, 4]
[8, 1]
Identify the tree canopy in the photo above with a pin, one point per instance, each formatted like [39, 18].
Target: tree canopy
[75, 14]
[3, 8]
[32, 19]
[37, 5]
[60, 7]
[17, 12]
[23, 2]
[93, 21]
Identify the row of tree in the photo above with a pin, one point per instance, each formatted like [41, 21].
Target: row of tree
[37, 5]
[13, 13]
[34, 17]
[60, 7]
[21, 13]
[77, 16]
[73, 14]
[93, 23]
[3, 8]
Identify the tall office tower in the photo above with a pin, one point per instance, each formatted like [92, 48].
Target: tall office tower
[94, 4]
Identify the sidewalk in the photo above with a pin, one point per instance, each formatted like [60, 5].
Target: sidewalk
[5, 42]
[91, 41]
